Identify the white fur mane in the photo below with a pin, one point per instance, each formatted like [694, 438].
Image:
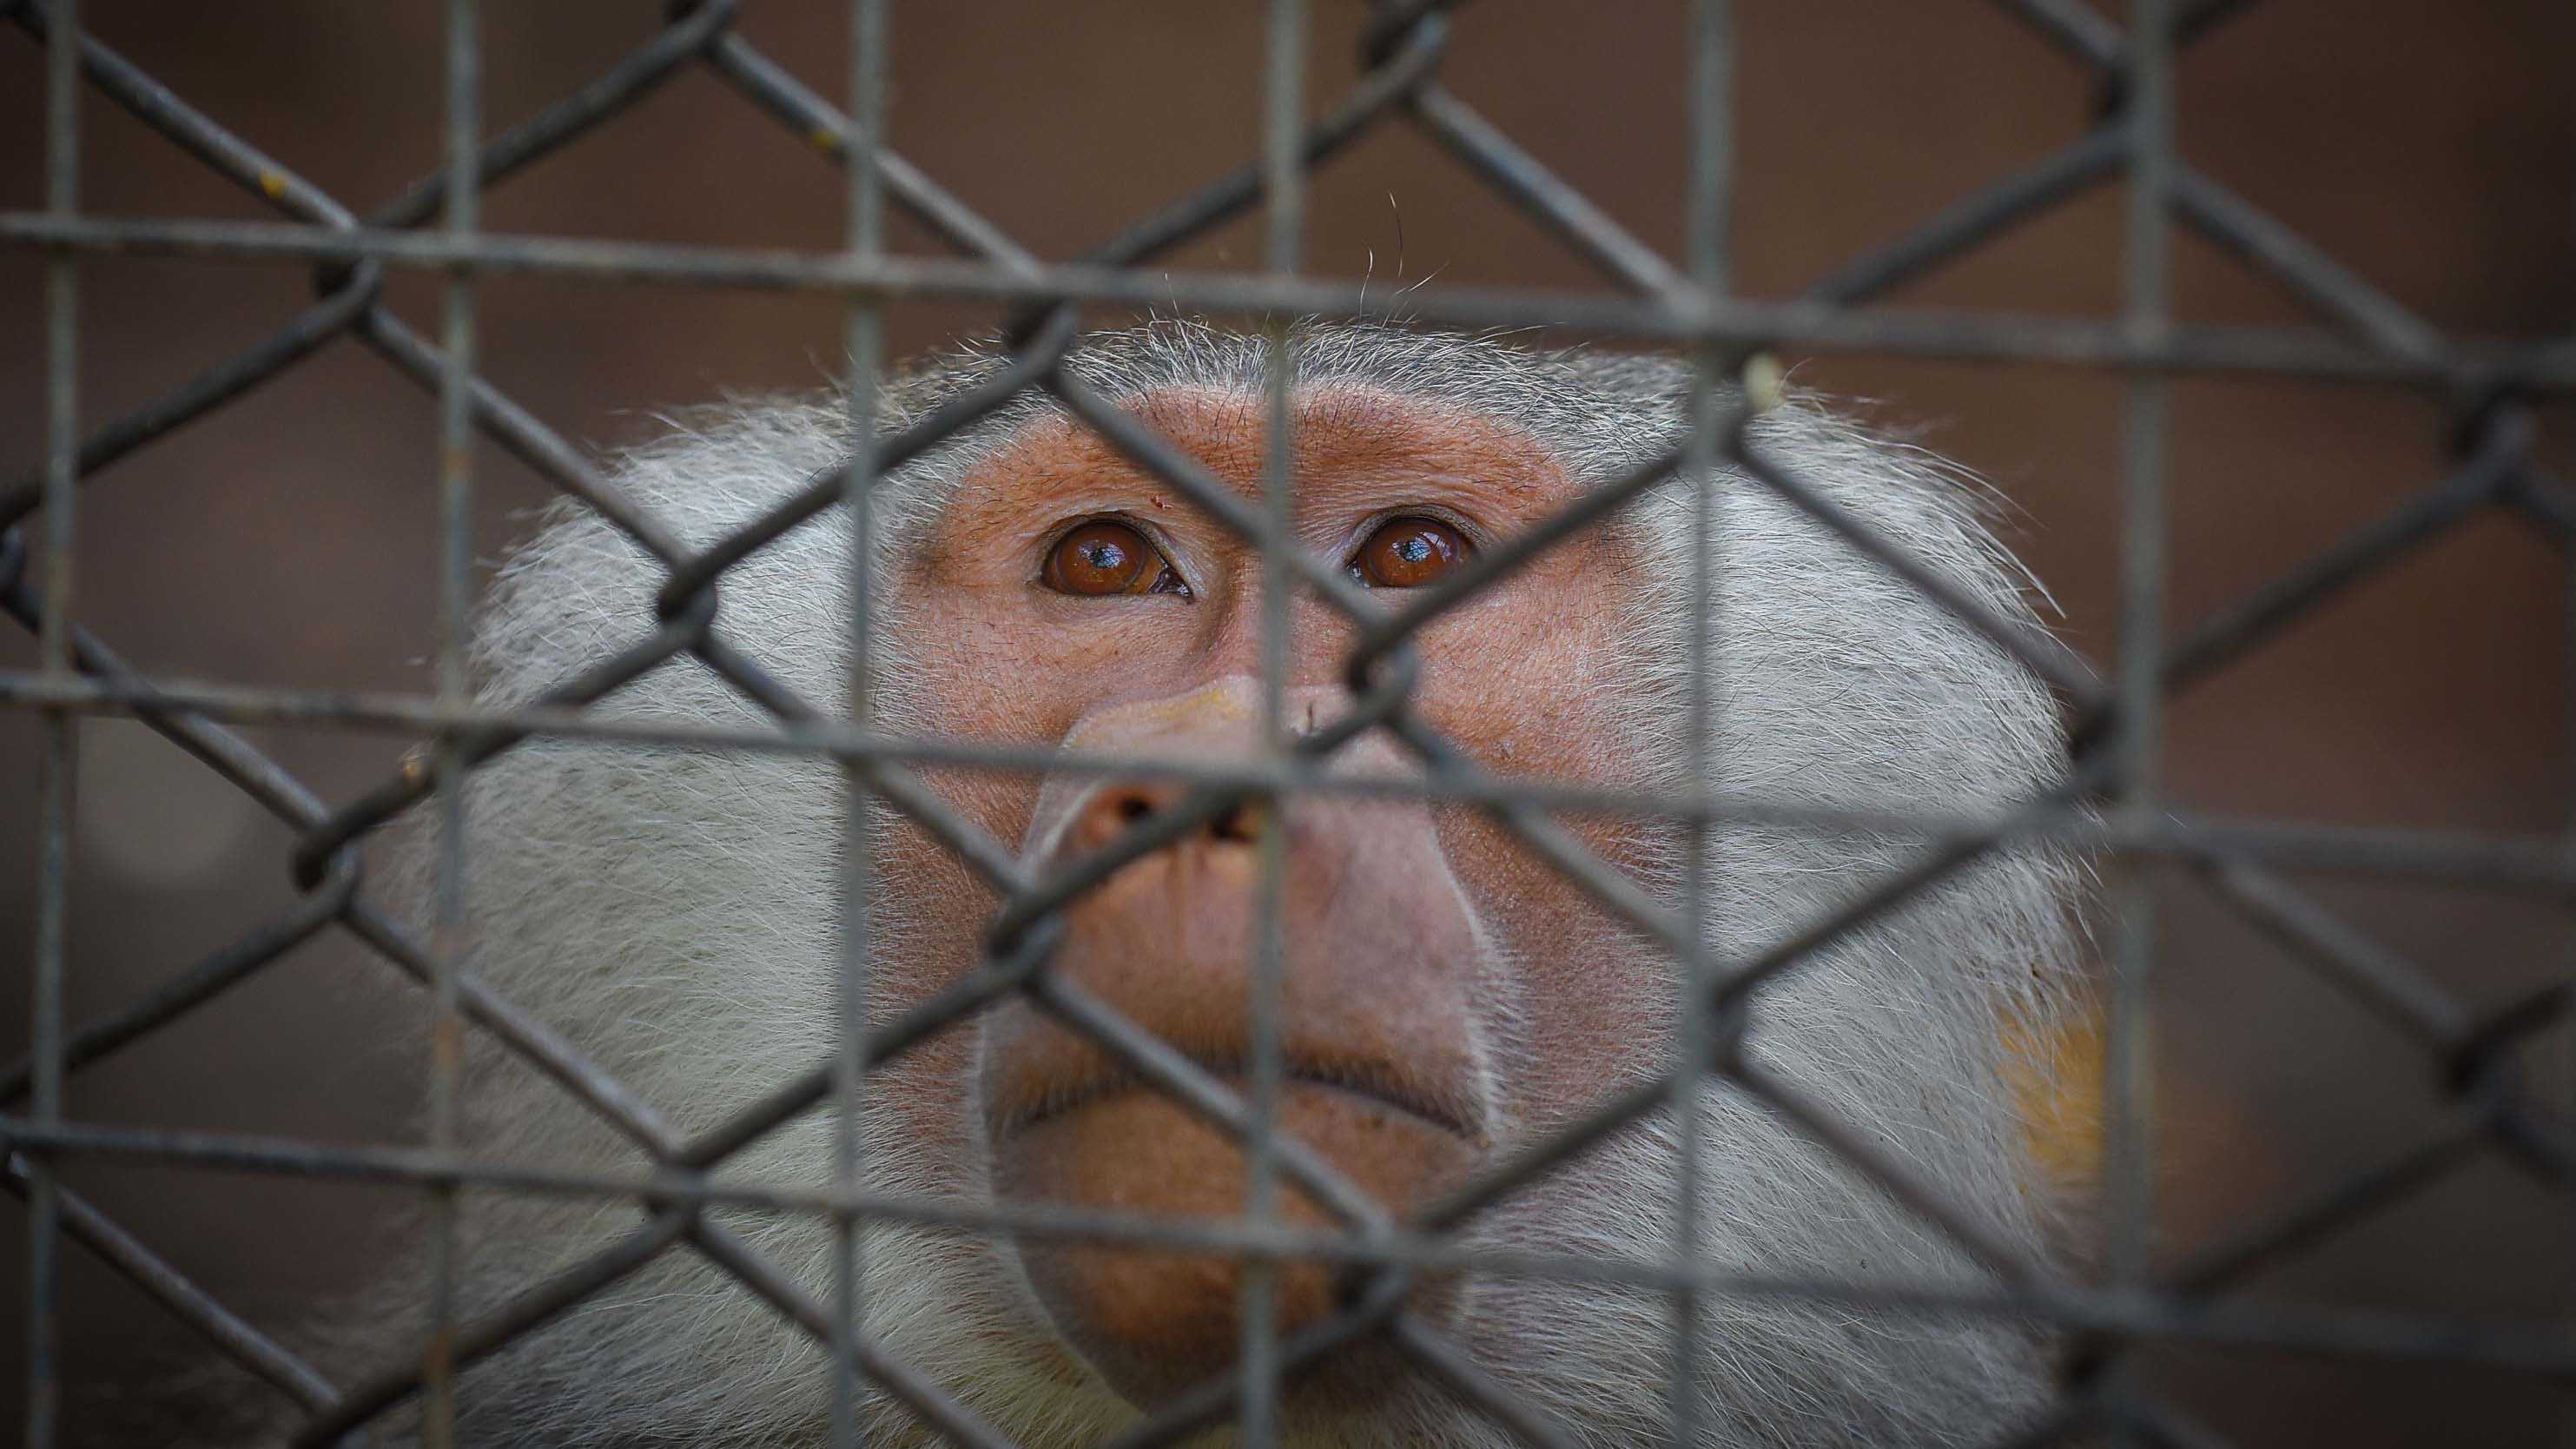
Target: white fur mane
[673, 914]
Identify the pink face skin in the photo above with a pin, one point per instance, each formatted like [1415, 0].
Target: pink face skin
[1428, 952]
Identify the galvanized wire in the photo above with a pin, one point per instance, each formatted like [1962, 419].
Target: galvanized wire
[2471, 1059]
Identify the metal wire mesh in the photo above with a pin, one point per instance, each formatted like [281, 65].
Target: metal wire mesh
[433, 226]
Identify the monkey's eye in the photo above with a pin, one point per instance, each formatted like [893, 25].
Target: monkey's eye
[1407, 553]
[1108, 557]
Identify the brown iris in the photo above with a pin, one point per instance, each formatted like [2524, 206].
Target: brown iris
[1408, 553]
[1108, 557]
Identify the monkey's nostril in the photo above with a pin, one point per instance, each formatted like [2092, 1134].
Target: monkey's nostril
[1239, 823]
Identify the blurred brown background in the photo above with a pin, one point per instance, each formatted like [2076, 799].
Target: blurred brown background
[2430, 147]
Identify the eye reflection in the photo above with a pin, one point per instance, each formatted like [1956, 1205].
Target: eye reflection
[1104, 557]
[1407, 553]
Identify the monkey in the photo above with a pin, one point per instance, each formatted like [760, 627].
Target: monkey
[1445, 995]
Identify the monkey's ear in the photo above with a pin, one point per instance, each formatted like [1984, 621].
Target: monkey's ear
[2052, 1067]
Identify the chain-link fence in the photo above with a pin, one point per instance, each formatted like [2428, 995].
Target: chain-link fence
[2111, 804]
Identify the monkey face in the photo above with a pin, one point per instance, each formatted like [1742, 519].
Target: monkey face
[1449, 1005]
[1114, 619]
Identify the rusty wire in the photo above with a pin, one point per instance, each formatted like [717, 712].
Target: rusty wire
[2245, 864]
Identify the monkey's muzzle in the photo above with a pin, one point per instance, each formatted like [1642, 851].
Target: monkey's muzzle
[1376, 1014]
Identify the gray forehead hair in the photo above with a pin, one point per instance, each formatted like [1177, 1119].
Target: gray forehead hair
[1597, 413]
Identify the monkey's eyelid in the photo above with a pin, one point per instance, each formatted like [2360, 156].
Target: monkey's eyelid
[1477, 535]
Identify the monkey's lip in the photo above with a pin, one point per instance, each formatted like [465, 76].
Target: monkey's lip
[1366, 1081]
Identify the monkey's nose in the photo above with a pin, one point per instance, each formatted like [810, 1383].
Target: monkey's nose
[1123, 805]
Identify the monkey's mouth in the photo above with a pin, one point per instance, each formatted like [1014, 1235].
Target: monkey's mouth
[1024, 1105]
